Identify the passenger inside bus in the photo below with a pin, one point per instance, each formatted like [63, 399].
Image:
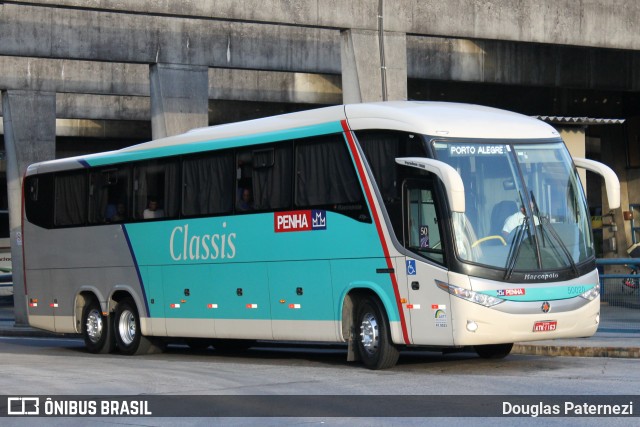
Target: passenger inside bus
[245, 203]
[153, 211]
[117, 213]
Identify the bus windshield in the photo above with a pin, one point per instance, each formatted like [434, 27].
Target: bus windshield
[525, 208]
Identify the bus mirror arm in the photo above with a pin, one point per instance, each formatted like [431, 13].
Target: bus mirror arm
[611, 181]
[448, 175]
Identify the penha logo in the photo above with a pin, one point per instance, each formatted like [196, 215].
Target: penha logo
[511, 292]
[299, 221]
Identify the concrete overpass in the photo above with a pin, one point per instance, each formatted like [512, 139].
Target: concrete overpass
[80, 76]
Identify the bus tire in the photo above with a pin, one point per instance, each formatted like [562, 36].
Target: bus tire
[129, 338]
[373, 336]
[97, 330]
[493, 351]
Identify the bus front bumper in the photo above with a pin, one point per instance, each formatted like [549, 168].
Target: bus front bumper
[477, 325]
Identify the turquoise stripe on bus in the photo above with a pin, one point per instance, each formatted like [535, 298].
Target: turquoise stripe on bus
[541, 294]
[221, 267]
[218, 144]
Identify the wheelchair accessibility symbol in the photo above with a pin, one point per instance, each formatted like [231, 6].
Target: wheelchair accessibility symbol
[411, 267]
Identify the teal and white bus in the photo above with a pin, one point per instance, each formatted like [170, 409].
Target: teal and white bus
[378, 225]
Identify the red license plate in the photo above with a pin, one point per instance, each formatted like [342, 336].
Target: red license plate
[545, 326]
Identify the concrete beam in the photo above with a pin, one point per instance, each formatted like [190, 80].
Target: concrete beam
[78, 128]
[563, 22]
[115, 78]
[103, 107]
[136, 38]
[271, 86]
[29, 124]
[431, 58]
[360, 14]
[68, 75]
[484, 61]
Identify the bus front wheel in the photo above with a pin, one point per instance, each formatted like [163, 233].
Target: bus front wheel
[493, 351]
[129, 338]
[96, 329]
[374, 337]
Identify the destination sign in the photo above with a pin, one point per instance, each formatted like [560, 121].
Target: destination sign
[477, 150]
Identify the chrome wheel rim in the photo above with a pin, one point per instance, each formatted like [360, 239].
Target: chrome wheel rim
[94, 325]
[369, 334]
[127, 327]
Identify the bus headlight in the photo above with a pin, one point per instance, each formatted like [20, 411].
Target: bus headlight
[466, 294]
[592, 293]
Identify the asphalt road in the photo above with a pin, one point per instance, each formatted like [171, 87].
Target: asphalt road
[61, 366]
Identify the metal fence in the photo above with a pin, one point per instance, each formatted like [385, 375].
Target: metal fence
[619, 294]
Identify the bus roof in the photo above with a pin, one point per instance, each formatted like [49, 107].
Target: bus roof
[444, 119]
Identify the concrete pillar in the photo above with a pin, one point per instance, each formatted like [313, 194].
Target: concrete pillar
[371, 70]
[179, 98]
[29, 120]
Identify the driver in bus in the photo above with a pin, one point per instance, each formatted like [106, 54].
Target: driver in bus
[515, 220]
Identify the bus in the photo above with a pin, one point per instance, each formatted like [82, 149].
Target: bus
[377, 225]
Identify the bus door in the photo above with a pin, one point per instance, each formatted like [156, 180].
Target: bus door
[428, 306]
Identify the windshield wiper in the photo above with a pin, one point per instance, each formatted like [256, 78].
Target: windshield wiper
[545, 226]
[514, 249]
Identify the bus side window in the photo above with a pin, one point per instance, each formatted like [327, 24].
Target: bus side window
[208, 184]
[156, 180]
[325, 174]
[70, 199]
[271, 177]
[422, 233]
[107, 189]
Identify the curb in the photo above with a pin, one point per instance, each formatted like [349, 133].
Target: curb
[29, 332]
[575, 351]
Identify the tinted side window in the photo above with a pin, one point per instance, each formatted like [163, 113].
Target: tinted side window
[38, 199]
[325, 173]
[70, 200]
[381, 148]
[156, 189]
[109, 195]
[264, 178]
[208, 184]
[422, 229]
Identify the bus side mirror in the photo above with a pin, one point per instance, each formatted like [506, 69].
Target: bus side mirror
[611, 182]
[449, 176]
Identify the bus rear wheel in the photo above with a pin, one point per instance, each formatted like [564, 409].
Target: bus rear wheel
[129, 338]
[97, 330]
[493, 351]
[374, 337]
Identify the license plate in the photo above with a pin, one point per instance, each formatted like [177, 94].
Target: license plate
[545, 326]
